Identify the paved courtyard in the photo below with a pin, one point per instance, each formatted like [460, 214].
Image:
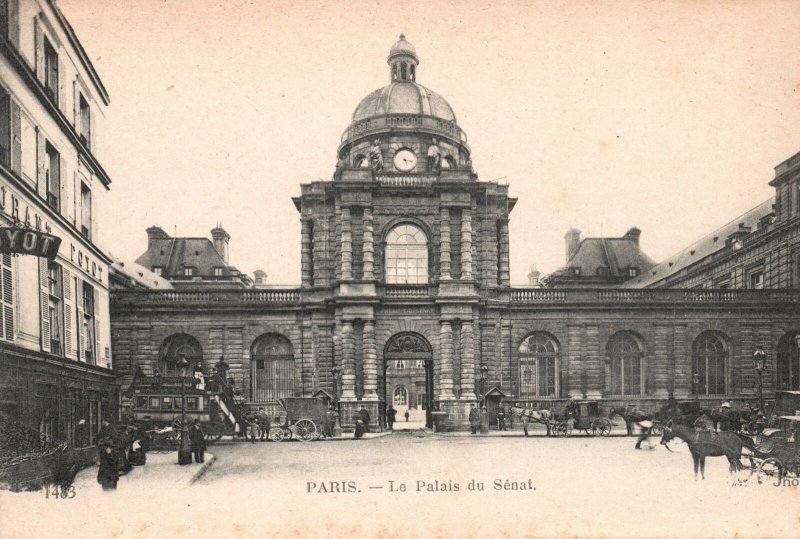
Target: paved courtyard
[420, 482]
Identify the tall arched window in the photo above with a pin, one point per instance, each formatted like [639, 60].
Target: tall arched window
[709, 355]
[406, 255]
[400, 396]
[175, 346]
[272, 358]
[537, 366]
[625, 352]
[789, 362]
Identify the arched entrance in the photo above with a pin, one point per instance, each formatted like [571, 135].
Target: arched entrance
[408, 377]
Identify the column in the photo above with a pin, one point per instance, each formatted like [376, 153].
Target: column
[306, 269]
[446, 361]
[503, 265]
[467, 361]
[348, 362]
[370, 362]
[466, 244]
[444, 238]
[347, 247]
[368, 250]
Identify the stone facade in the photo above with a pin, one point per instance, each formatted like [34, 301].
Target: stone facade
[405, 255]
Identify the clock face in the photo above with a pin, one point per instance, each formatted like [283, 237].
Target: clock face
[405, 160]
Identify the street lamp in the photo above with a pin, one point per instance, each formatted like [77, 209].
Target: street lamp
[484, 371]
[759, 358]
[184, 450]
[337, 428]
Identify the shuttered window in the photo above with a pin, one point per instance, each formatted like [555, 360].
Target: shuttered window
[7, 294]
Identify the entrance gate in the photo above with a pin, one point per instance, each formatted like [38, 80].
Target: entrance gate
[408, 361]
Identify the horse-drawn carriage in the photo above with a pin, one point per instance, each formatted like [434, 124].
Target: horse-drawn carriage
[583, 416]
[307, 419]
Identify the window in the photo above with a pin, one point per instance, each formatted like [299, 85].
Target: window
[400, 396]
[420, 364]
[86, 211]
[28, 150]
[5, 127]
[166, 403]
[709, 355]
[757, 280]
[88, 333]
[537, 366]
[85, 117]
[400, 364]
[56, 308]
[273, 362]
[141, 402]
[633, 272]
[406, 255]
[50, 71]
[574, 271]
[155, 403]
[219, 272]
[192, 403]
[53, 177]
[158, 270]
[789, 362]
[6, 299]
[188, 271]
[626, 364]
[175, 347]
[602, 271]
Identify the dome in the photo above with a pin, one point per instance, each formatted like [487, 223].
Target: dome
[404, 97]
[402, 47]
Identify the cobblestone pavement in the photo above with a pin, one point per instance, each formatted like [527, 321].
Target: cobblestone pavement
[419, 484]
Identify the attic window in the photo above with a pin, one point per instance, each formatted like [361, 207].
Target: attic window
[188, 271]
[574, 271]
[633, 272]
[219, 271]
[158, 270]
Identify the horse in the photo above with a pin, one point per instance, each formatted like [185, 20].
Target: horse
[727, 444]
[629, 417]
[526, 415]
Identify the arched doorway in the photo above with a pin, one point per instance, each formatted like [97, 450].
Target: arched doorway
[175, 347]
[272, 364]
[408, 377]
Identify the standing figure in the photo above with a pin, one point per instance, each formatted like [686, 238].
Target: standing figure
[253, 429]
[434, 157]
[376, 156]
[263, 423]
[391, 415]
[407, 415]
[474, 418]
[199, 380]
[197, 439]
[364, 415]
[107, 474]
[501, 419]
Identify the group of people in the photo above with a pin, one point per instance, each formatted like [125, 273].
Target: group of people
[119, 449]
[258, 426]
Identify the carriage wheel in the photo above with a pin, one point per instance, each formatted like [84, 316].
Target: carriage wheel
[604, 428]
[306, 430]
[562, 429]
[769, 469]
[764, 444]
[657, 429]
[276, 434]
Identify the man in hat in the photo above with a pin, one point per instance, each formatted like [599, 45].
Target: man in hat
[197, 440]
[474, 418]
[108, 473]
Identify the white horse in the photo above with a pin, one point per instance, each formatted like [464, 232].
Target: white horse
[526, 415]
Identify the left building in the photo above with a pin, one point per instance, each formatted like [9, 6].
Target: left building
[55, 352]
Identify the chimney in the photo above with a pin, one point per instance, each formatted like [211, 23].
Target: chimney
[573, 239]
[633, 235]
[261, 277]
[533, 276]
[221, 239]
[155, 233]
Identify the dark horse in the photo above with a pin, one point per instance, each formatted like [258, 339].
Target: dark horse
[629, 417]
[723, 444]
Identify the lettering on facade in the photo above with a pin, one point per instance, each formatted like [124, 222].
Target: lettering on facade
[28, 242]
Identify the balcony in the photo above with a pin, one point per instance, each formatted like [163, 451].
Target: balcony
[195, 297]
[651, 296]
[406, 180]
[407, 291]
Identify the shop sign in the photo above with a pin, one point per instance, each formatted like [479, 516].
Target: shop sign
[22, 241]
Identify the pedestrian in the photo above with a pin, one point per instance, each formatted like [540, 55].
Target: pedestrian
[253, 429]
[391, 414]
[364, 417]
[525, 418]
[199, 377]
[107, 473]
[263, 423]
[407, 414]
[501, 419]
[137, 455]
[646, 425]
[197, 439]
[474, 418]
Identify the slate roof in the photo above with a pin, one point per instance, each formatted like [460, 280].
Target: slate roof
[173, 254]
[702, 248]
[616, 254]
[139, 275]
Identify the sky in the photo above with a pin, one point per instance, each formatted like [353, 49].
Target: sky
[667, 116]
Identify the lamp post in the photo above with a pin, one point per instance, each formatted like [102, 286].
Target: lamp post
[184, 449]
[759, 357]
[484, 371]
[337, 428]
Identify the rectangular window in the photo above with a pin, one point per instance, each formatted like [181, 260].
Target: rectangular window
[86, 211]
[188, 272]
[56, 308]
[192, 403]
[28, 150]
[53, 177]
[166, 403]
[757, 280]
[158, 270]
[155, 403]
[50, 71]
[218, 272]
[141, 402]
[88, 324]
[5, 128]
[85, 120]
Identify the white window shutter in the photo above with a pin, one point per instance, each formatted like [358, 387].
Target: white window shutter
[44, 300]
[62, 87]
[98, 351]
[16, 139]
[80, 334]
[13, 22]
[41, 163]
[69, 312]
[7, 313]
[76, 113]
[39, 45]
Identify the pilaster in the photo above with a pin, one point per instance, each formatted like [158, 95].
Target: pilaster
[466, 244]
[348, 362]
[370, 362]
[446, 361]
[467, 361]
[369, 246]
[347, 246]
[444, 239]
[504, 277]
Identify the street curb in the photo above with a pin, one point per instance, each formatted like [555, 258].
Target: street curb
[209, 460]
[373, 436]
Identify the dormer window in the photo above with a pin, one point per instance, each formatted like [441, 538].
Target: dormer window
[158, 270]
[574, 271]
[219, 271]
[633, 272]
[188, 271]
[602, 271]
